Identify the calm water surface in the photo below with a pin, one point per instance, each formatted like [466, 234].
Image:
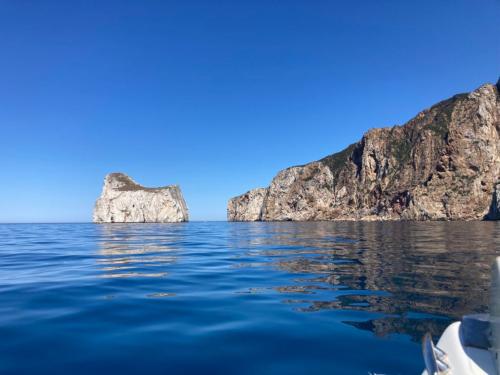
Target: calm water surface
[235, 298]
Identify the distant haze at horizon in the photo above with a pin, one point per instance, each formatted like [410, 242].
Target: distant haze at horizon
[214, 98]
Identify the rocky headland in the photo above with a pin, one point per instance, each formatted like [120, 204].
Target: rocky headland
[124, 201]
[444, 164]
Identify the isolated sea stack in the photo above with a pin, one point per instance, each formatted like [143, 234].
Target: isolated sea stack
[444, 164]
[124, 201]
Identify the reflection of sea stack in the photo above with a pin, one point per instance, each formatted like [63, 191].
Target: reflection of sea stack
[124, 201]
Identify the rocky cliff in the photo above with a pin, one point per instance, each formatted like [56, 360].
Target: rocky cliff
[444, 164]
[124, 201]
[247, 207]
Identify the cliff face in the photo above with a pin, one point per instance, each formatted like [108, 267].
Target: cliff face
[124, 201]
[494, 213]
[444, 164]
[247, 207]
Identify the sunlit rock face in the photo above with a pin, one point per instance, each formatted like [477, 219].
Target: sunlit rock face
[444, 164]
[124, 201]
[247, 207]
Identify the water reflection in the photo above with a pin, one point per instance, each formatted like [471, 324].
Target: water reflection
[131, 251]
[244, 297]
[406, 278]
[395, 269]
[415, 328]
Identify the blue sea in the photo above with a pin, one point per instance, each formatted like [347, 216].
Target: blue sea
[235, 298]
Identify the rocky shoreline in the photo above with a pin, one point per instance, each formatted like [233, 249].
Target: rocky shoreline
[444, 164]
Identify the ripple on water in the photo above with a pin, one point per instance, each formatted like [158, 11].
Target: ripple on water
[240, 298]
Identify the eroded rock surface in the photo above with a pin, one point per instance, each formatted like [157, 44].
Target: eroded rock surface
[444, 164]
[124, 201]
[248, 206]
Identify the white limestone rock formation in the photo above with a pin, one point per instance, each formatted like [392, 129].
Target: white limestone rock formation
[124, 201]
[247, 207]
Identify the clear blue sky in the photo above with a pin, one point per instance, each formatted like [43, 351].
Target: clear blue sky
[216, 96]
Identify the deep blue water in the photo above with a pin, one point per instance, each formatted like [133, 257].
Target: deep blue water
[235, 298]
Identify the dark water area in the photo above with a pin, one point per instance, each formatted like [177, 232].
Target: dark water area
[235, 298]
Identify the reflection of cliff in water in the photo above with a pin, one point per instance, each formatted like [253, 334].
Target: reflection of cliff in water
[415, 328]
[396, 269]
[134, 250]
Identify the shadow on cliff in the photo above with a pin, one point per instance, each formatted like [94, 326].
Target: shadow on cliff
[494, 212]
